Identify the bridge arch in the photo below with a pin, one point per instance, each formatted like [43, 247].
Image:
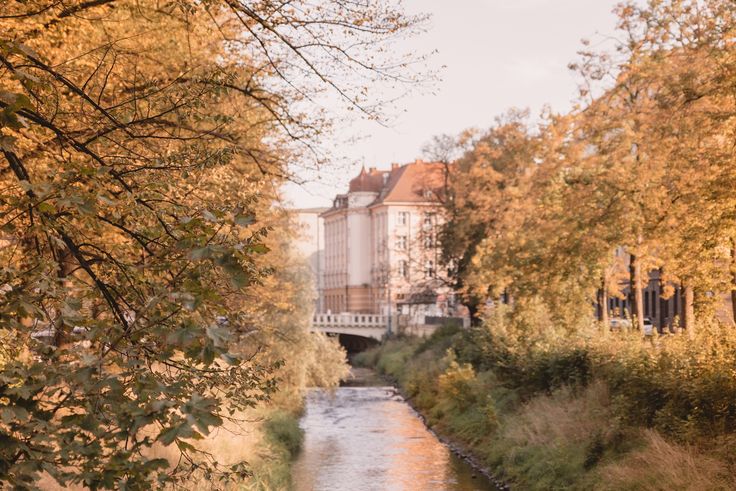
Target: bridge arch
[366, 325]
[354, 343]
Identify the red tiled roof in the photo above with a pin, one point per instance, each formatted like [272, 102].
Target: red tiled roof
[416, 182]
[371, 181]
[412, 183]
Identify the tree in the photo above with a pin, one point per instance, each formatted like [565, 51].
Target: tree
[143, 143]
[485, 202]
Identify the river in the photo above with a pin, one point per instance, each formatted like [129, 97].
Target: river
[369, 439]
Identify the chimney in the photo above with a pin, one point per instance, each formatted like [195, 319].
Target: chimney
[419, 161]
[372, 170]
[394, 166]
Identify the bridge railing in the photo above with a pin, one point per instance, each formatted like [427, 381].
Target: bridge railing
[349, 320]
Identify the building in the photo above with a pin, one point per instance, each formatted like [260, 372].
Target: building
[381, 250]
[310, 245]
[663, 300]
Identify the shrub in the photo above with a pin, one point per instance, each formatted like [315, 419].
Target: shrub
[456, 385]
[282, 429]
[441, 339]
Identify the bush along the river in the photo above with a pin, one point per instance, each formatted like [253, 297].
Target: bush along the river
[550, 410]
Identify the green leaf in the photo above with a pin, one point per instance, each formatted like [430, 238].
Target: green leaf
[244, 220]
[46, 207]
[209, 216]
[259, 248]
[167, 436]
[200, 253]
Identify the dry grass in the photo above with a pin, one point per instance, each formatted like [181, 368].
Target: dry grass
[562, 418]
[663, 465]
[233, 442]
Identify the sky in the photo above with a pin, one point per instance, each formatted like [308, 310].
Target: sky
[492, 55]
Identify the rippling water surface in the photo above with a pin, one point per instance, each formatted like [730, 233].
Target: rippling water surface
[368, 438]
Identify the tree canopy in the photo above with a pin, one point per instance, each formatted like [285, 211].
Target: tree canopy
[144, 143]
[642, 165]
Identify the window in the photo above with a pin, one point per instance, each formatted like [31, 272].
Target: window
[428, 241]
[403, 269]
[403, 217]
[675, 306]
[428, 219]
[401, 242]
[429, 269]
[427, 193]
[653, 310]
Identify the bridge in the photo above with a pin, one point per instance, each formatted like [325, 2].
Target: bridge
[359, 331]
[365, 325]
[356, 332]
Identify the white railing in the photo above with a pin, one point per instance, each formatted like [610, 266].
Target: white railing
[349, 320]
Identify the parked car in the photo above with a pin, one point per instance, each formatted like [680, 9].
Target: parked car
[618, 324]
[648, 327]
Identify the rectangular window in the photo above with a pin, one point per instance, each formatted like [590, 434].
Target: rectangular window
[429, 269]
[653, 310]
[401, 242]
[646, 304]
[403, 269]
[675, 306]
[428, 241]
[403, 218]
[428, 221]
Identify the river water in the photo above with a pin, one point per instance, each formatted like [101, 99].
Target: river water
[369, 439]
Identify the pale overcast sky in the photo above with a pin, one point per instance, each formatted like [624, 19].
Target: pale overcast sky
[497, 54]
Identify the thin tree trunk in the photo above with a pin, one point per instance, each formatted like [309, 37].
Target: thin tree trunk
[638, 306]
[632, 278]
[603, 305]
[664, 311]
[733, 279]
[689, 311]
[66, 266]
[473, 306]
[664, 304]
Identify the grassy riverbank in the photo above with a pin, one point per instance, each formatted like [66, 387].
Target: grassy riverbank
[549, 411]
[282, 439]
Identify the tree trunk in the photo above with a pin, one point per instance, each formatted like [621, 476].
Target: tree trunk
[664, 311]
[638, 306]
[733, 279]
[603, 306]
[688, 307]
[66, 266]
[473, 305]
[632, 276]
[664, 303]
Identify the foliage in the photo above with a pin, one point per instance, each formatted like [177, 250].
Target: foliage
[637, 173]
[144, 143]
[554, 409]
[283, 429]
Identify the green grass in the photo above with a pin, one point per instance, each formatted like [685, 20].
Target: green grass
[282, 430]
[284, 438]
[541, 421]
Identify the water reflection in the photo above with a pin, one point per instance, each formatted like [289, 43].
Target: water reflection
[368, 438]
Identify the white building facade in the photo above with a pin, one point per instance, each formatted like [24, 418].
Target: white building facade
[382, 254]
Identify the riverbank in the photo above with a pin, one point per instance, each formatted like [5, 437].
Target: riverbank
[564, 426]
